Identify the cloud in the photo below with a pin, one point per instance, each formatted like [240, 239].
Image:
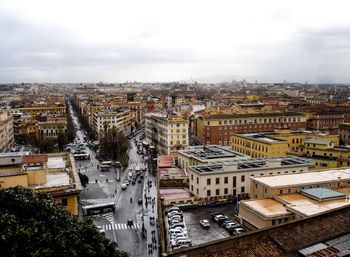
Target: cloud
[116, 41]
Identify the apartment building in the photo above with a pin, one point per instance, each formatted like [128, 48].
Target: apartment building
[49, 129]
[122, 120]
[344, 133]
[37, 110]
[217, 128]
[280, 199]
[325, 154]
[54, 174]
[207, 154]
[232, 178]
[137, 108]
[259, 145]
[325, 121]
[6, 131]
[167, 134]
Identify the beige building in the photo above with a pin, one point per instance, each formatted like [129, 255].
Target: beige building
[280, 199]
[54, 174]
[6, 131]
[271, 186]
[259, 145]
[207, 154]
[232, 178]
[167, 134]
[122, 120]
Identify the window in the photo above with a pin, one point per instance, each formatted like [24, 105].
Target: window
[242, 178]
[225, 180]
[273, 222]
[197, 191]
[192, 188]
[64, 201]
[197, 180]
[191, 176]
[217, 192]
[208, 181]
[225, 191]
[234, 192]
[234, 182]
[217, 181]
[281, 191]
[208, 193]
[242, 189]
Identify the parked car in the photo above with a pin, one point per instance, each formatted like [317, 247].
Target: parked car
[223, 219]
[177, 225]
[236, 230]
[180, 247]
[214, 214]
[124, 186]
[204, 223]
[217, 217]
[181, 241]
[139, 201]
[170, 209]
[175, 240]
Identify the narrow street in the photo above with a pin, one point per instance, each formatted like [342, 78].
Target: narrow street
[104, 187]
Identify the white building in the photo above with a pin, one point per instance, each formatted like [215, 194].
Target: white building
[6, 131]
[233, 177]
[167, 134]
[122, 120]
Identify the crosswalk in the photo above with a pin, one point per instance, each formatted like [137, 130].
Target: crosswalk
[118, 226]
[108, 216]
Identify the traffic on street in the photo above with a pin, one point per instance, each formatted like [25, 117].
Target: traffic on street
[120, 200]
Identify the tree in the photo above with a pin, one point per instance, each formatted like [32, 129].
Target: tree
[32, 224]
[62, 138]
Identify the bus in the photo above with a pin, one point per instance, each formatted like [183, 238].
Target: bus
[106, 165]
[81, 156]
[98, 208]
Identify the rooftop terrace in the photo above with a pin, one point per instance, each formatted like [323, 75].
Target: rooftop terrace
[335, 175]
[252, 164]
[211, 152]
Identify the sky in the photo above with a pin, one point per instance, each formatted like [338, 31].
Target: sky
[182, 40]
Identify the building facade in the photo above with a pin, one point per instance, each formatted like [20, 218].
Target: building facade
[259, 145]
[54, 174]
[344, 133]
[6, 132]
[232, 178]
[122, 120]
[217, 129]
[167, 134]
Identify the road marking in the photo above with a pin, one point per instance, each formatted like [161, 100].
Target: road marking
[118, 226]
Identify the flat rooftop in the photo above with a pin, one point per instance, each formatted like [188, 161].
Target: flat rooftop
[174, 193]
[307, 178]
[317, 141]
[262, 137]
[306, 206]
[252, 164]
[206, 153]
[56, 163]
[269, 208]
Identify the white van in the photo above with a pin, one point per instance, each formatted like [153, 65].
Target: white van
[182, 242]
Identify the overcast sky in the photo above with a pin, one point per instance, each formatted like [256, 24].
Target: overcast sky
[208, 41]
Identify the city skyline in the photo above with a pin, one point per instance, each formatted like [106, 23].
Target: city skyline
[156, 41]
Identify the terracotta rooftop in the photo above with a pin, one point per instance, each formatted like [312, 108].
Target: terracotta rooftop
[165, 161]
[35, 158]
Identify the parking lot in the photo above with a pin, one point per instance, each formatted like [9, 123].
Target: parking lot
[196, 233]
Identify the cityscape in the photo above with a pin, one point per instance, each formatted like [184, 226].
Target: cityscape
[165, 156]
